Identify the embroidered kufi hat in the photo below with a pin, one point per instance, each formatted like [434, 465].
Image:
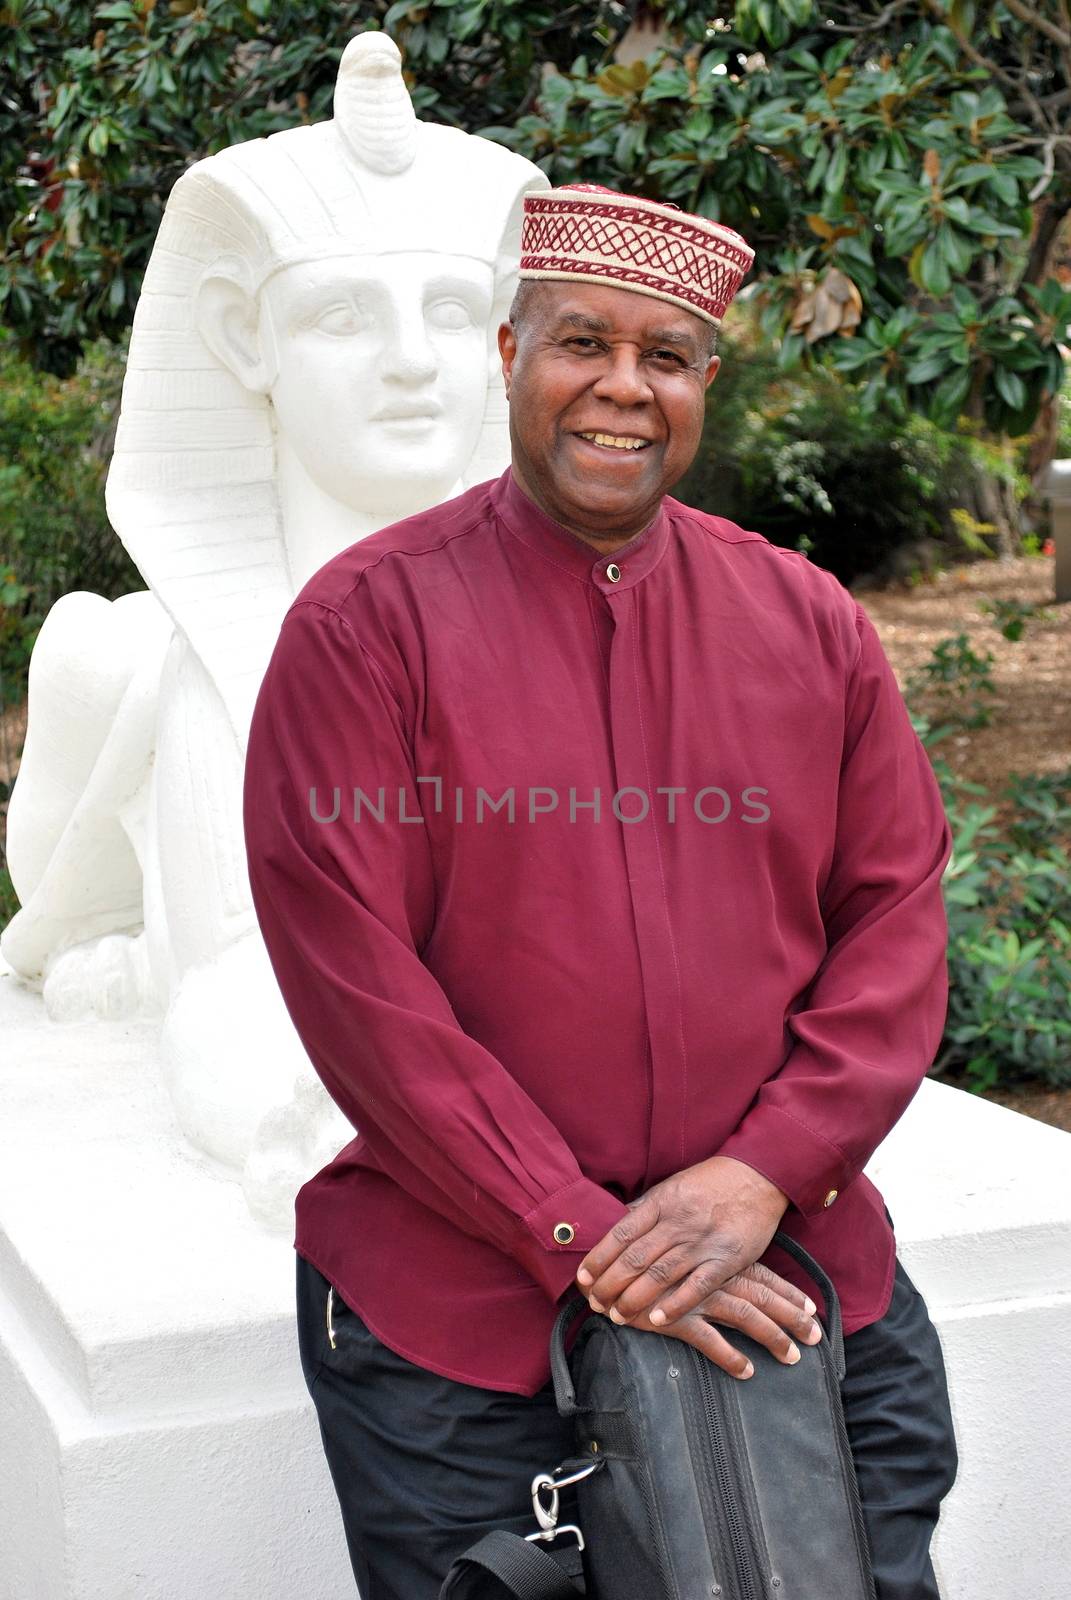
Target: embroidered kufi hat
[587, 234]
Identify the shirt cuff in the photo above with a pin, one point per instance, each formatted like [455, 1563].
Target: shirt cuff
[558, 1234]
[804, 1165]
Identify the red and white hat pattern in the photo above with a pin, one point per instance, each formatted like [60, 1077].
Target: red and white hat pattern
[587, 234]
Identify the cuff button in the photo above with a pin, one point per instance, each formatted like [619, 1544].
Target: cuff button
[564, 1233]
[830, 1197]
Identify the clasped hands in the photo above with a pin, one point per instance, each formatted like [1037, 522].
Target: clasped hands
[687, 1255]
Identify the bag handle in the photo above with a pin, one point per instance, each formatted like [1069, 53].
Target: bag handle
[564, 1390]
[527, 1572]
[834, 1326]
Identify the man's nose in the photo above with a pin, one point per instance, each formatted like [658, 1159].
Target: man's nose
[623, 380]
[408, 353]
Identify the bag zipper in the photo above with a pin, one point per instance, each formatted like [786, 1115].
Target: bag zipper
[712, 1462]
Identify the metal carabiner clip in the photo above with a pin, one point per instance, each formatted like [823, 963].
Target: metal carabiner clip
[548, 1529]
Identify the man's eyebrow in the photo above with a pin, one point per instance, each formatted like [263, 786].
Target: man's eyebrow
[577, 319]
[675, 336]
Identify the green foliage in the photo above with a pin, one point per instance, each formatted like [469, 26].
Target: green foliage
[896, 148]
[1008, 897]
[1012, 616]
[794, 455]
[9, 900]
[958, 677]
[54, 533]
[1063, 420]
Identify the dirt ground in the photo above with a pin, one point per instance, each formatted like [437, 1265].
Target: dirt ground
[1030, 731]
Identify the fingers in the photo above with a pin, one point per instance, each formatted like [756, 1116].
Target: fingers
[747, 1288]
[761, 1273]
[757, 1289]
[770, 1294]
[673, 1284]
[648, 1269]
[732, 1312]
[629, 1230]
[705, 1337]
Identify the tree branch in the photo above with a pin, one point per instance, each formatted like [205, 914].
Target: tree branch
[1051, 31]
[893, 9]
[1048, 226]
[1016, 86]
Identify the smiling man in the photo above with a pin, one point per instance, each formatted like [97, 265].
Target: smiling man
[601, 872]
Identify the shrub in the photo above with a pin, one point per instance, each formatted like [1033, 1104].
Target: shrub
[957, 677]
[1008, 898]
[793, 455]
[55, 440]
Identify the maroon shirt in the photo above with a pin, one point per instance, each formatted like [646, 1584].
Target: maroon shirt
[533, 1018]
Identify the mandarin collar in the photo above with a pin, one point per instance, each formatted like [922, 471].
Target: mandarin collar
[531, 525]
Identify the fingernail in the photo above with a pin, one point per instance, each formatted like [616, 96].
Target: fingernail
[615, 1315]
[810, 1307]
[584, 1277]
[658, 1316]
[813, 1334]
[748, 1371]
[596, 1305]
[792, 1357]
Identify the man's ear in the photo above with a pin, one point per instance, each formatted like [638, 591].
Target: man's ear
[507, 349]
[228, 320]
[713, 368]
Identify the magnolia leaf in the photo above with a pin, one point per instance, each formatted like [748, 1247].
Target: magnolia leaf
[1010, 387]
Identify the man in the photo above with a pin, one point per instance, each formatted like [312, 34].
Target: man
[600, 869]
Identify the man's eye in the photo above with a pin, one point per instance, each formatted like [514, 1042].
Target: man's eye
[340, 320]
[669, 355]
[582, 341]
[451, 314]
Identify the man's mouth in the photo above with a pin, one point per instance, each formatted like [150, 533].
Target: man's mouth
[615, 441]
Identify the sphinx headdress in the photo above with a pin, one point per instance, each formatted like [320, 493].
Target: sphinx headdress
[191, 489]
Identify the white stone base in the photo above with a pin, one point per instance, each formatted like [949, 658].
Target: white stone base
[981, 1199]
[157, 1441]
[156, 1438]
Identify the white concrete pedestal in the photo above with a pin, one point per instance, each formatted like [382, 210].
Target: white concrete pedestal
[156, 1438]
[981, 1200]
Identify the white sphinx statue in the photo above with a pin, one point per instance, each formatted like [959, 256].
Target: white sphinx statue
[313, 356]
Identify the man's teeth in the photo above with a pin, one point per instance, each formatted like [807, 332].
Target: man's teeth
[615, 441]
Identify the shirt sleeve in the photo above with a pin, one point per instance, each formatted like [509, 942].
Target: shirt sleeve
[345, 907]
[872, 1020]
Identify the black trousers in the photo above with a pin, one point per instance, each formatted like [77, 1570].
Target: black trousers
[424, 1465]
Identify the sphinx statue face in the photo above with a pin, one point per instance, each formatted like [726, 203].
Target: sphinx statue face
[378, 371]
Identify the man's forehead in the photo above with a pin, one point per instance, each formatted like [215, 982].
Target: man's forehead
[621, 311]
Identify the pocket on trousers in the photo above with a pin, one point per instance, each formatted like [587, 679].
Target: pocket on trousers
[328, 1328]
[350, 1345]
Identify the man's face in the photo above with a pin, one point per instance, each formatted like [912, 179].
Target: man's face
[381, 373]
[589, 360]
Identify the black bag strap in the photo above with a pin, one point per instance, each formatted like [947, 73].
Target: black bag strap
[834, 1327]
[564, 1390]
[526, 1571]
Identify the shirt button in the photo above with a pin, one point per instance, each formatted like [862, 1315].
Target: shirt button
[613, 572]
[564, 1233]
[830, 1197]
